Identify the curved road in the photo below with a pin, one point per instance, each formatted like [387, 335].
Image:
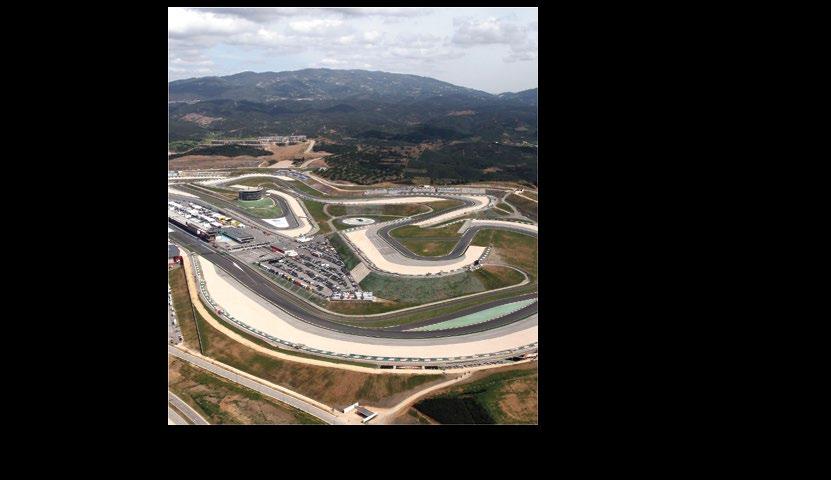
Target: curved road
[301, 310]
[458, 250]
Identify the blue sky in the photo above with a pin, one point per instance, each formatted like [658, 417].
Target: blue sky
[490, 49]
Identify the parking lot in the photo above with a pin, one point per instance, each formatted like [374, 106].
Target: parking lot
[314, 265]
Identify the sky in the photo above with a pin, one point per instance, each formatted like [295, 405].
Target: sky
[490, 49]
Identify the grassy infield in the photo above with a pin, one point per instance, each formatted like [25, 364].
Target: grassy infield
[263, 208]
[513, 248]
[429, 242]
[525, 206]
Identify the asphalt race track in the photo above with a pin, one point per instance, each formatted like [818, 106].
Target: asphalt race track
[457, 251]
[304, 315]
[300, 309]
[215, 201]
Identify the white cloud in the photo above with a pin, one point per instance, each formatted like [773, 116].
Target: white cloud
[346, 39]
[381, 11]
[314, 25]
[488, 31]
[259, 15]
[183, 22]
[492, 31]
[435, 42]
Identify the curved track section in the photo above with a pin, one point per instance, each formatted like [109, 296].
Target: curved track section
[213, 200]
[301, 310]
[244, 292]
[459, 249]
[260, 317]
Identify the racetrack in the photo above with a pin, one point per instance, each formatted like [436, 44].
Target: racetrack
[250, 297]
[226, 292]
[249, 279]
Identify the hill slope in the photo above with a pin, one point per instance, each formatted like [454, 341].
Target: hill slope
[380, 121]
[317, 84]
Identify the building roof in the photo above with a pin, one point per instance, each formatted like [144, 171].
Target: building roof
[363, 411]
[237, 233]
[172, 251]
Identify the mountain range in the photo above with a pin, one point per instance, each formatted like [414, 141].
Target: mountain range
[318, 84]
[361, 111]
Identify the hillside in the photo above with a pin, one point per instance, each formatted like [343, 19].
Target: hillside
[316, 84]
[383, 120]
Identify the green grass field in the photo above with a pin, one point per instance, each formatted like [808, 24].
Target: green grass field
[428, 242]
[513, 248]
[222, 192]
[262, 208]
[445, 204]
[502, 208]
[410, 317]
[316, 210]
[182, 307]
[416, 291]
[302, 187]
[525, 206]
[346, 254]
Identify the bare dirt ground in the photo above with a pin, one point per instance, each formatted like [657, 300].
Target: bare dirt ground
[281, 157]
[201, 120]
[519, 399]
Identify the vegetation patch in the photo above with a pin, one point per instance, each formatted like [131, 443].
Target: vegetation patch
[328, 385]
[316, 210]
[222, 402]
[182, 307]
[262, 208]
[512, 248]
[432, 312]
[182, 145]
[466, 162]
[225, 151]
[505, 398]
[302, 187]
[525, 206]
[416, 291]
[346, 254]
[428, 241]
